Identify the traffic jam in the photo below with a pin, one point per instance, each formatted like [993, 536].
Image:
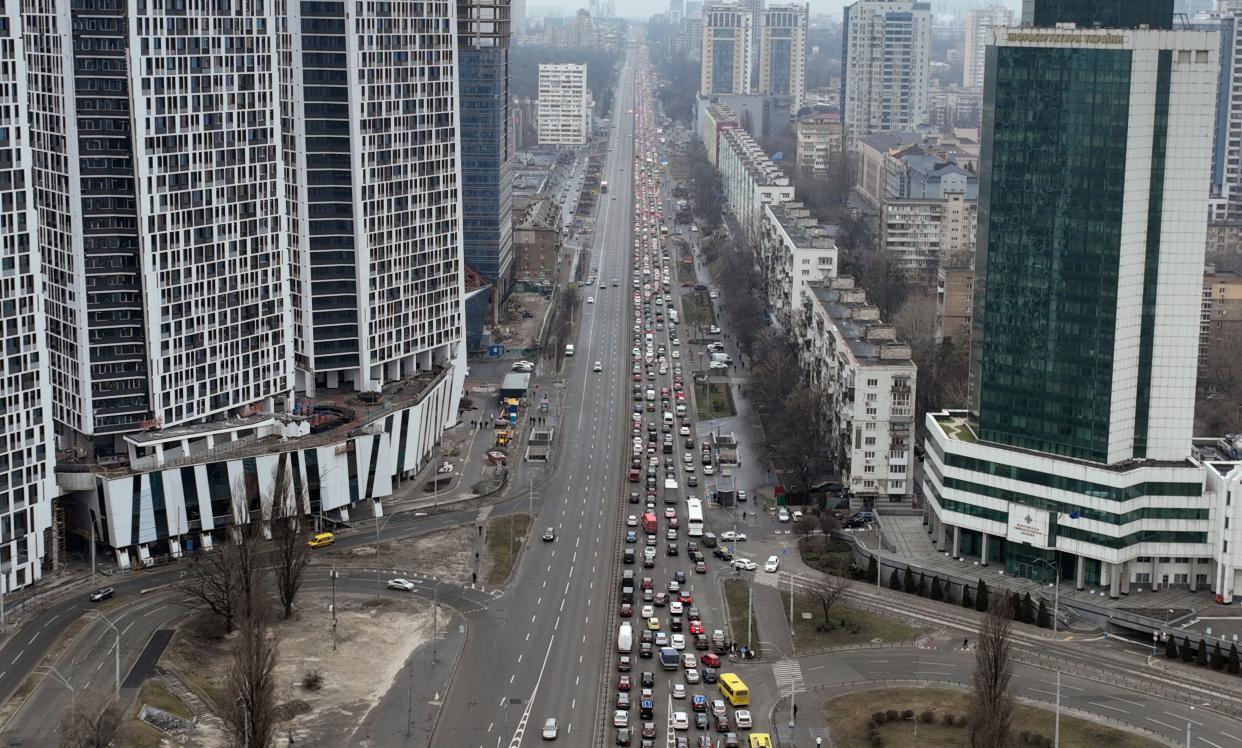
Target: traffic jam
[672, 684]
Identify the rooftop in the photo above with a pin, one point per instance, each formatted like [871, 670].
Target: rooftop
[332, 417]
[872, 342]
[801, 228]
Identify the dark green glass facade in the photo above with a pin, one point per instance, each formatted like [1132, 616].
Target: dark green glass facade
[1108, 14]
[1050, 213]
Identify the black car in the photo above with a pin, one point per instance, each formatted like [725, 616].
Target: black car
[645, 651]
[701, 643]
[680, 576]
[700, 721]
[723, 554]
[674, 623]
[647, 679]
[692, 614]
[628, 556]
[549, 535]
[633, 497]
[672, 549]
[101, 594]
[709, 675]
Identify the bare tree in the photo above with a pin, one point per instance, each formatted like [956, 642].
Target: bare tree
[226, 580]
[94, 721]
[801, 442]
[775, 372]
[251, 716]
[832, 589]
[991, 701]
[290, 554]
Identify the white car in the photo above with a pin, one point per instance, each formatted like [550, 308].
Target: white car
[550, 729]
[741, 719]
[620, 718]
[743, 564]
[709, 469]
[680, 720]
[524, 367]
[773, 563]
[631, 521]
[717, 365]
[679, 690]
[797, 515]
[590, 299]
[685, 431]
[783, 514]
[692, 676]
[675, 608]
[688, 661]
[599, 366]
[730, 536]
[678, 641]
[648, 611]
[718, 707]
[404, 585]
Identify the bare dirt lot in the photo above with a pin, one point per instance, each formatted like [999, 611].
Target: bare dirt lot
[373, 643]
[516, 331]
[447, 554]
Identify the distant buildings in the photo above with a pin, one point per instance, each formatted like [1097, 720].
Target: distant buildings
[921, 233]
[950, 108]
[782, 51]
[794, 251]
[899, 165]
[726, 55]
[980, 24]
[867, 381]
[887, 51]
[1076, 460]
[820, 142]
[537, 241]
[1220, 321]
[955, 303]
[564, 109]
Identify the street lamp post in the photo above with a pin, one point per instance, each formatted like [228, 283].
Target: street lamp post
[73, 692]
[334, 574]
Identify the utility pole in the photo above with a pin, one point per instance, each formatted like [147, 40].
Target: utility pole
[334, 575]
[92, 550]
[117, 648]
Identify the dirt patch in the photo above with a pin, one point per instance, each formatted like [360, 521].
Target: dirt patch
[354, 678]
[516, 329]
[447, 554]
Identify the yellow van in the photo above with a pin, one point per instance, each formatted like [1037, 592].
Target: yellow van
[760, 740]
[321, 539]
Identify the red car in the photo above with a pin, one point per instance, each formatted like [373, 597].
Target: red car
[696, 627]
[627, 610]
[623, 683]
[709, 659]
[685, 598]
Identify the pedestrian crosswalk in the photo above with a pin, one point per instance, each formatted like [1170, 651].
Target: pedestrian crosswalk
[788, 675]
[768, 580]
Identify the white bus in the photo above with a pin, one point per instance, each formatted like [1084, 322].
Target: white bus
[694, 517]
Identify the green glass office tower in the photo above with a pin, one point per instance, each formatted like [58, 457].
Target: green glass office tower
[1087, 271]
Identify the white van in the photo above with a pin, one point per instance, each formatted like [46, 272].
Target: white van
[625, 638]
[569, 349]
[668, 418]
[650, 395]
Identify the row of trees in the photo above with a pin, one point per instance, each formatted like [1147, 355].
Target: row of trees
[1217, 660]
[241, 583]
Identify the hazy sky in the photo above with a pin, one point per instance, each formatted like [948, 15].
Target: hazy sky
[647, 8]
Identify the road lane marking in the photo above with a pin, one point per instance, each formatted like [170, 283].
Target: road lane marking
[1108, 706]
[1164, 724]
[1185, 719]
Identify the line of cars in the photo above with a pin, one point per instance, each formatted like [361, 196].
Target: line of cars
[660, 629]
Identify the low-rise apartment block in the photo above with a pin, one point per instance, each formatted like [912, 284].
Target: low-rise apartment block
[867, 380]
[714, 119]
[794, 252]
[750, 179]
